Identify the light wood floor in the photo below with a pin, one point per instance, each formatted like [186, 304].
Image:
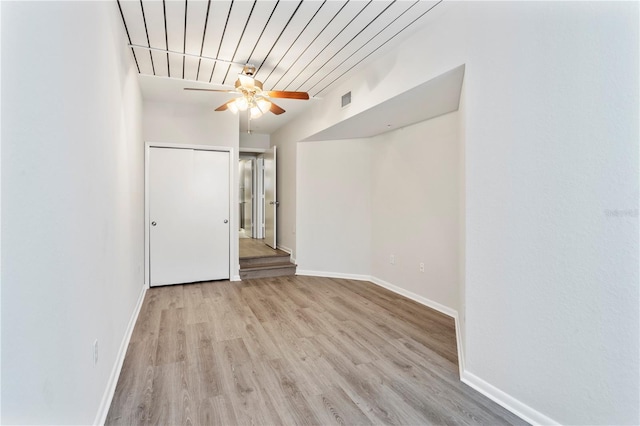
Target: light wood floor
[250, 247]
[293, 350]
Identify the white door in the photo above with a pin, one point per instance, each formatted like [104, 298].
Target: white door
[189, 231]
[270, 200]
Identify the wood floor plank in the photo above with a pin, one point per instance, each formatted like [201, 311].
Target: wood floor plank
[225, 325]
[204, 372]
[254, 403]
[215, 411]
[169, 296]
[267, 384]
[171, 400]
[148, 324]
[196, 307]
[293, 350]
[172, 344]
[132, 404]
[295, 401]
[336, 408]
[260, 346]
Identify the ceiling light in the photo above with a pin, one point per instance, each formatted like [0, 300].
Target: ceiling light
[233, 106]
[259, 107]
[263, 104]
[256, 112]
[241, 103]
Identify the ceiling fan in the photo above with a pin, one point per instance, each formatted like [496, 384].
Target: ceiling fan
[252, 96]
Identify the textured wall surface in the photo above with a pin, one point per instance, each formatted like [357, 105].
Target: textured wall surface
[72, 206]
[551, 173]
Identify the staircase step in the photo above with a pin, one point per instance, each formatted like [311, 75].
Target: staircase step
[265, 271]
[249, 262]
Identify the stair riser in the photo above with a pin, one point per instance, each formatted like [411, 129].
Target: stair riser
[262, 261]
[266, 273]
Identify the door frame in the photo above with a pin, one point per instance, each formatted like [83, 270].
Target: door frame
[258, 182]
[233, 232]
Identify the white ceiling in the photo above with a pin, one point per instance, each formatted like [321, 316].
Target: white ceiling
[306, 46]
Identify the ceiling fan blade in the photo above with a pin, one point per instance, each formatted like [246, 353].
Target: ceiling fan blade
[287, 95]
[224, 106]
[209, 90]
[276, 109]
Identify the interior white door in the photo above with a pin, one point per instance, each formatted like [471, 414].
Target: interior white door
[189, 234]
[270, 200]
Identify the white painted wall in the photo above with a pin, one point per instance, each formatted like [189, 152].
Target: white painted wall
[255, 140]
[551, 169]
[189, 124]
[552, 145]
[334, 207]
[72, 206]
[415, 201]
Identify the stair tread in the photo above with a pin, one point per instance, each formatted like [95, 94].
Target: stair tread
[275, 253]
[264, 259]
[269, 266]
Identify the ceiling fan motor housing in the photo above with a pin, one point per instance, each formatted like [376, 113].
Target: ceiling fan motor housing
[249, 70]
[257, 86]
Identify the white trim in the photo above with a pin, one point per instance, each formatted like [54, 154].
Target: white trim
[415, 297]
[235, 278]
[461, 367]
[288, 250]
[285, 249]
[253, 150]
[110, 390]
[233, 228]
[356, 277]
[517, 407]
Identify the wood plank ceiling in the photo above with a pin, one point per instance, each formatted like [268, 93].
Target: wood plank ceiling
[295, 45]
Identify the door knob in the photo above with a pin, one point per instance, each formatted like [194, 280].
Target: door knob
[153, 224]
[226, 221]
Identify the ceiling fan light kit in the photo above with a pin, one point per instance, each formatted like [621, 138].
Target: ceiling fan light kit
[252, 97]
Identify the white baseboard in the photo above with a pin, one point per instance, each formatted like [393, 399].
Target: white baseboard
[512, 404]
[287, 250]
[284, 248]
[415, 297]
[460, 345]
[356, 277]
[103, 410]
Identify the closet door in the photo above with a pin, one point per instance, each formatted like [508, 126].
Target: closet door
[189, 232]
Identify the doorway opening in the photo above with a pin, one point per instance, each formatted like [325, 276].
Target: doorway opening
[251, 196]
[257, 210]
[257, 196]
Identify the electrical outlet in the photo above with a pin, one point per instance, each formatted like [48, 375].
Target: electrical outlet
[421, 266]
[95, 352]
[392, 259]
